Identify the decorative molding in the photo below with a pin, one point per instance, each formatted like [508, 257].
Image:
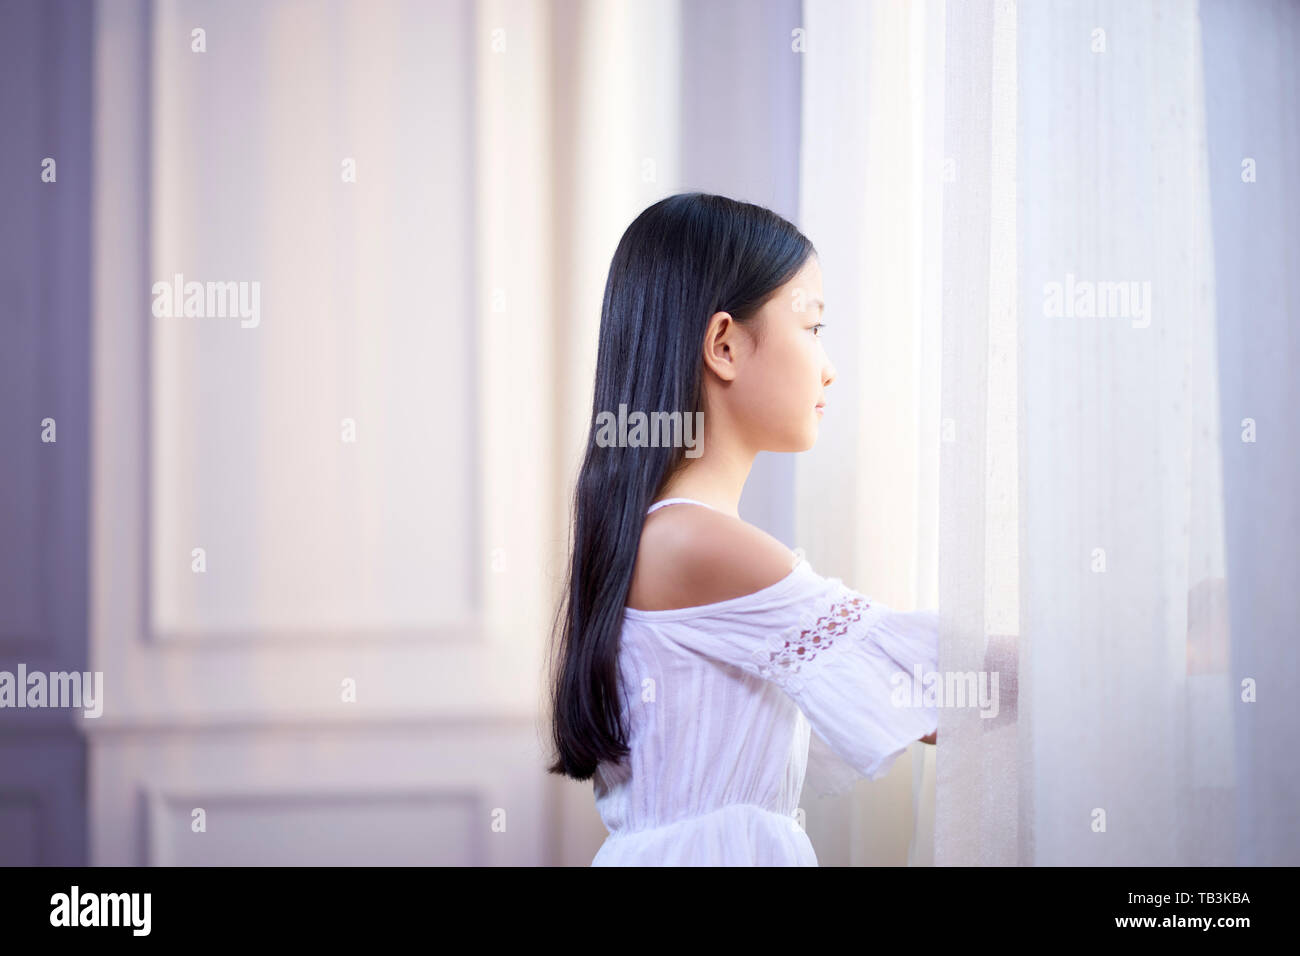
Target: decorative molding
[156, 800]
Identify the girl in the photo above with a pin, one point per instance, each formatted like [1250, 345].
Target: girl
[702, 669]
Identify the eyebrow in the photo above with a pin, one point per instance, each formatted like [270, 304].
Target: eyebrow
[820, 304]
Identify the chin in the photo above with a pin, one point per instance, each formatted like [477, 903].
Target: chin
[806, 441]
[793, 440]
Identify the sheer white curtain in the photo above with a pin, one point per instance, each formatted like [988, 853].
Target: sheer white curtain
[1252, 94]
[1014, 220]
[870, 199]
[1126, 749]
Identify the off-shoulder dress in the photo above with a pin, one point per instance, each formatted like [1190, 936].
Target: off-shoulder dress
[729, 706]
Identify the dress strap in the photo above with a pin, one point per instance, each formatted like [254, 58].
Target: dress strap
[678, 501]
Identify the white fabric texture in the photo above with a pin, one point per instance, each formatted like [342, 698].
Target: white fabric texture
[1057, 476]
[729, 706]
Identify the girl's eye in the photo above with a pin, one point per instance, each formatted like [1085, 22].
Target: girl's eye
[817, 329]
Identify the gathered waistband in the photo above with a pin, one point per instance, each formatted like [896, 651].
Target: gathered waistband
[783, 818]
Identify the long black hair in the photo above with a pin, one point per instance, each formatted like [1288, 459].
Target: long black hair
[682, 260]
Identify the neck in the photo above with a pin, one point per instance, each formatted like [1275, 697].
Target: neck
[716, 477]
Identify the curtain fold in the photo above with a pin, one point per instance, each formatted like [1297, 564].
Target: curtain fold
[1122, 497]
[1252, 97]
[977, 781]
[1017, 234]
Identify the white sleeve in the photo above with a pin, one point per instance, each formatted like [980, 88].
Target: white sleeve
[885, 671]
[857, 669]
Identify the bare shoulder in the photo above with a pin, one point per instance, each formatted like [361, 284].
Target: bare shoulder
[690, 556]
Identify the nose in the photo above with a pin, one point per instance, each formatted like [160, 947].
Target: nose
[828, 374]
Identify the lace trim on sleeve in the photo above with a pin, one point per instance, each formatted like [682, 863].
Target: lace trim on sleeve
[787, 656]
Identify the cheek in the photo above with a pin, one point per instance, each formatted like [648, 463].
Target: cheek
[787, 388]
[806, 369]
[766, 394]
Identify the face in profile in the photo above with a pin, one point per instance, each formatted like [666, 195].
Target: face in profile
[783, 375]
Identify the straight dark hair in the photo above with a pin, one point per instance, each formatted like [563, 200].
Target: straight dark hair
[682, 260]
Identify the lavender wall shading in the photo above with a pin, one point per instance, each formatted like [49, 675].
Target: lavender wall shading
[1252, 96]
[45, 275]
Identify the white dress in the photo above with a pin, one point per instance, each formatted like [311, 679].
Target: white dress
[729, 705]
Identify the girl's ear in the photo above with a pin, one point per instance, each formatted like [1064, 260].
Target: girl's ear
[720, 342]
